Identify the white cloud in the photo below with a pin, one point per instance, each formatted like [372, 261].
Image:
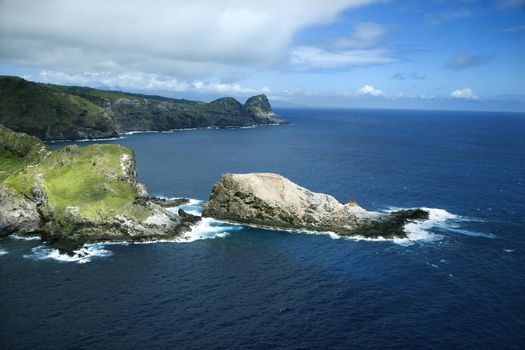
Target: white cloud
[365, 35]
[185, 38]
[312, 58]
[368, 90]
[465, 93]
[143, 82]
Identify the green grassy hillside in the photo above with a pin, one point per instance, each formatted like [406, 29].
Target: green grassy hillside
[18, 151]
[54, 112]
[50, 113]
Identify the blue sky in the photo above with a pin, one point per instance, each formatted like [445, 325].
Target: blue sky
[341, 53]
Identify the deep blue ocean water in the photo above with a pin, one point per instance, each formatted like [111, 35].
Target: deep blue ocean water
[458, 284]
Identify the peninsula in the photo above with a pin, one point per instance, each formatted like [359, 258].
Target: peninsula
[55, 112]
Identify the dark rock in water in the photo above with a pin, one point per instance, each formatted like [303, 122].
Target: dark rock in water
[169, 203]
[271, 200]
[393, 224]
[54, 112]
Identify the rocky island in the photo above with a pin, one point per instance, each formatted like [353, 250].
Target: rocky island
[272, 200]
[77, 195]
[55, 112]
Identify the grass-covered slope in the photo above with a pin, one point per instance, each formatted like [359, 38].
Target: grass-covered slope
[77, 194]
[17, 151]
[54, 112]
[92, 183]
[49, 113]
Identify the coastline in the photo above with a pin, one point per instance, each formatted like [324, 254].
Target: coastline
[138, 132]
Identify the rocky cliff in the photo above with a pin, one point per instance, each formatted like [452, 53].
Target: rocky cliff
[272, 200]
[78, 194]
[53, 112]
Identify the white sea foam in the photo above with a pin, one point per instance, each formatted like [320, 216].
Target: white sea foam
[24, 238]
[87, 140]
[139, 132]
[420, 230]
[81, 256]
[441, 220]
[209, 228]
[193, 207]
[2, 251]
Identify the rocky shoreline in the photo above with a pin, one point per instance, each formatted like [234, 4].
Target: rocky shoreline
[79, 195]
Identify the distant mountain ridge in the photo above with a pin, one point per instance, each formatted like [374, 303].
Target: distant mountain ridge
[56, 112]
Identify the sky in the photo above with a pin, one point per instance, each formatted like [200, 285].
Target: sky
[434, 54]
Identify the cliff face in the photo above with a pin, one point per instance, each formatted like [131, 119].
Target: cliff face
[260, 107]
[272, 200]
[82, 194]
[53, 112]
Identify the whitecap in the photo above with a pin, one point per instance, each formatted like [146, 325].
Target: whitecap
[87, 140]
[209, 228]
[438, 219]
[24, 238]
[133, 132]
[3, 251]
[81, 256]
[193, 207]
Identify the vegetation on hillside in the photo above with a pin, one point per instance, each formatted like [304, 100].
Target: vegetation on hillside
[54, 112]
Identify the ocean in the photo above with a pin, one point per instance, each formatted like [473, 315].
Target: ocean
[457, 282]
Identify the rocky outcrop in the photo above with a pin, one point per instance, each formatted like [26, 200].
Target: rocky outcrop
[260, 107]
[17, 213]
[54, 112]
[169, 202]
[271, 200]
[77, 195]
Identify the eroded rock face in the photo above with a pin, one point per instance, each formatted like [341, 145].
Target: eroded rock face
[260, 107]
[272, 200]
[17, 214]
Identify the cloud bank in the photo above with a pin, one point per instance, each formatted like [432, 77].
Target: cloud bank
[184, 38]
[143, 82]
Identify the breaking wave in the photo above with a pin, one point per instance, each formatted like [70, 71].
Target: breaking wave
[81, 256]
[439, 222]
[24, 238]
[3, 251]
[210, 228]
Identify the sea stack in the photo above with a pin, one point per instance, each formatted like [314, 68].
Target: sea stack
[272, 200]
